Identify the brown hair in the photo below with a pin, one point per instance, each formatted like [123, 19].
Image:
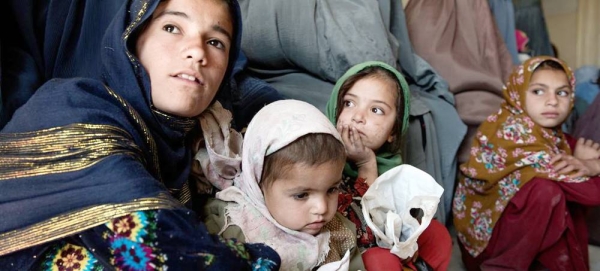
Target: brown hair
[377, 72]
[310, 149]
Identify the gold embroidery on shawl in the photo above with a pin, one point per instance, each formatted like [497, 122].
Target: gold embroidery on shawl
[71, 223]
[130, 28]
[187, 124]
[149, 139]
[185, 195]
[61, 149]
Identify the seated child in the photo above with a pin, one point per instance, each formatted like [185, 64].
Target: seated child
[370, 106]
[286, 194]
[519, 202]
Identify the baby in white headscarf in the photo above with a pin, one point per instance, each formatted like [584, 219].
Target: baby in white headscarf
[286, 194]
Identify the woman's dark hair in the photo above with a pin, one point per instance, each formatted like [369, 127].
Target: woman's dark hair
[379, 73]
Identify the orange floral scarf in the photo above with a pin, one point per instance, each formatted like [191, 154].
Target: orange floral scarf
[508, 151]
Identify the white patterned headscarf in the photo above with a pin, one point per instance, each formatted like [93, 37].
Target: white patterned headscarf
[272, 128]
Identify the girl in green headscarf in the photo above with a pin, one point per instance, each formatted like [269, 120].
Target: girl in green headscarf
[370, 107]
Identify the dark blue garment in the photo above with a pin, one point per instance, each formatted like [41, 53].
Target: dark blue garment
[83, 153]
[49, 39]
[144, 240]
[529, 18]
[251, 94]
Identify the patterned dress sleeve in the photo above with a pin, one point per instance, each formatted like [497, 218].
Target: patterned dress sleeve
[351, 192]
[156, 240]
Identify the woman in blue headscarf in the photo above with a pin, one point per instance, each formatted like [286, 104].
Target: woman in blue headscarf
[94, 172]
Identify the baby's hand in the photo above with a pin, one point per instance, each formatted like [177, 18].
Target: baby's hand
[357, 151]
[564, 164]
[587, 149]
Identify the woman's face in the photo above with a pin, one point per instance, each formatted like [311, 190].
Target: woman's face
[185, 49]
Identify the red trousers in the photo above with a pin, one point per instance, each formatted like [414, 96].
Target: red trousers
[543, 224]
[435, 248]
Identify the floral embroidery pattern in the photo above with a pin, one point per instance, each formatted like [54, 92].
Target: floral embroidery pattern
[69, 257]
[361, 186]
[486, 155]
[475, 185]
[132, 240]
[263, 265]
[131, 226]
[458, 203]
[517, 130]
[470, 247]
[508, 187]
[237, 247]
[351, 191]
[515, 96]
[540, 161]
[131, 255]
[481, 221]
[469, 171]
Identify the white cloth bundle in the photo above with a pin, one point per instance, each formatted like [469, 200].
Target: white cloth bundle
[387, 203]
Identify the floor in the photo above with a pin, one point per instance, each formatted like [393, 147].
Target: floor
[456, 262]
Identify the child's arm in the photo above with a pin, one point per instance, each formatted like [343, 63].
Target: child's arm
[359, 154]
[586, 149]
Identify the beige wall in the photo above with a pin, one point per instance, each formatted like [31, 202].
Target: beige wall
[563, 33]
[561, 20]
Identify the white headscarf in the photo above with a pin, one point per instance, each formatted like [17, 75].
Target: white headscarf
[272, 128]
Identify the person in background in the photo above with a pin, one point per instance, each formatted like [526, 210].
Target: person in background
[522, 48]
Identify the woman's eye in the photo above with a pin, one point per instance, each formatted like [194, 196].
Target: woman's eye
[348, 103]
[333, 190]
[171, 28]
[301, 196]
[216, 43]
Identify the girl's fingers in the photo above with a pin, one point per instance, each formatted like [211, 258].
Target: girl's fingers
[559, 166]
[345, 136]
[555, 159]
[586, 142]
[579, 173]
[356, 139]
[567, 169]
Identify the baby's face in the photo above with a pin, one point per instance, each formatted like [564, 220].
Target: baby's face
[548, 98]
[306, 197]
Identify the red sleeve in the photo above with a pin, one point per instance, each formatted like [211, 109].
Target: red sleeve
[361, 186]
[571, 141]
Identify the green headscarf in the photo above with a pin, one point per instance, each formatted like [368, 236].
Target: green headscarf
[385, 160]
